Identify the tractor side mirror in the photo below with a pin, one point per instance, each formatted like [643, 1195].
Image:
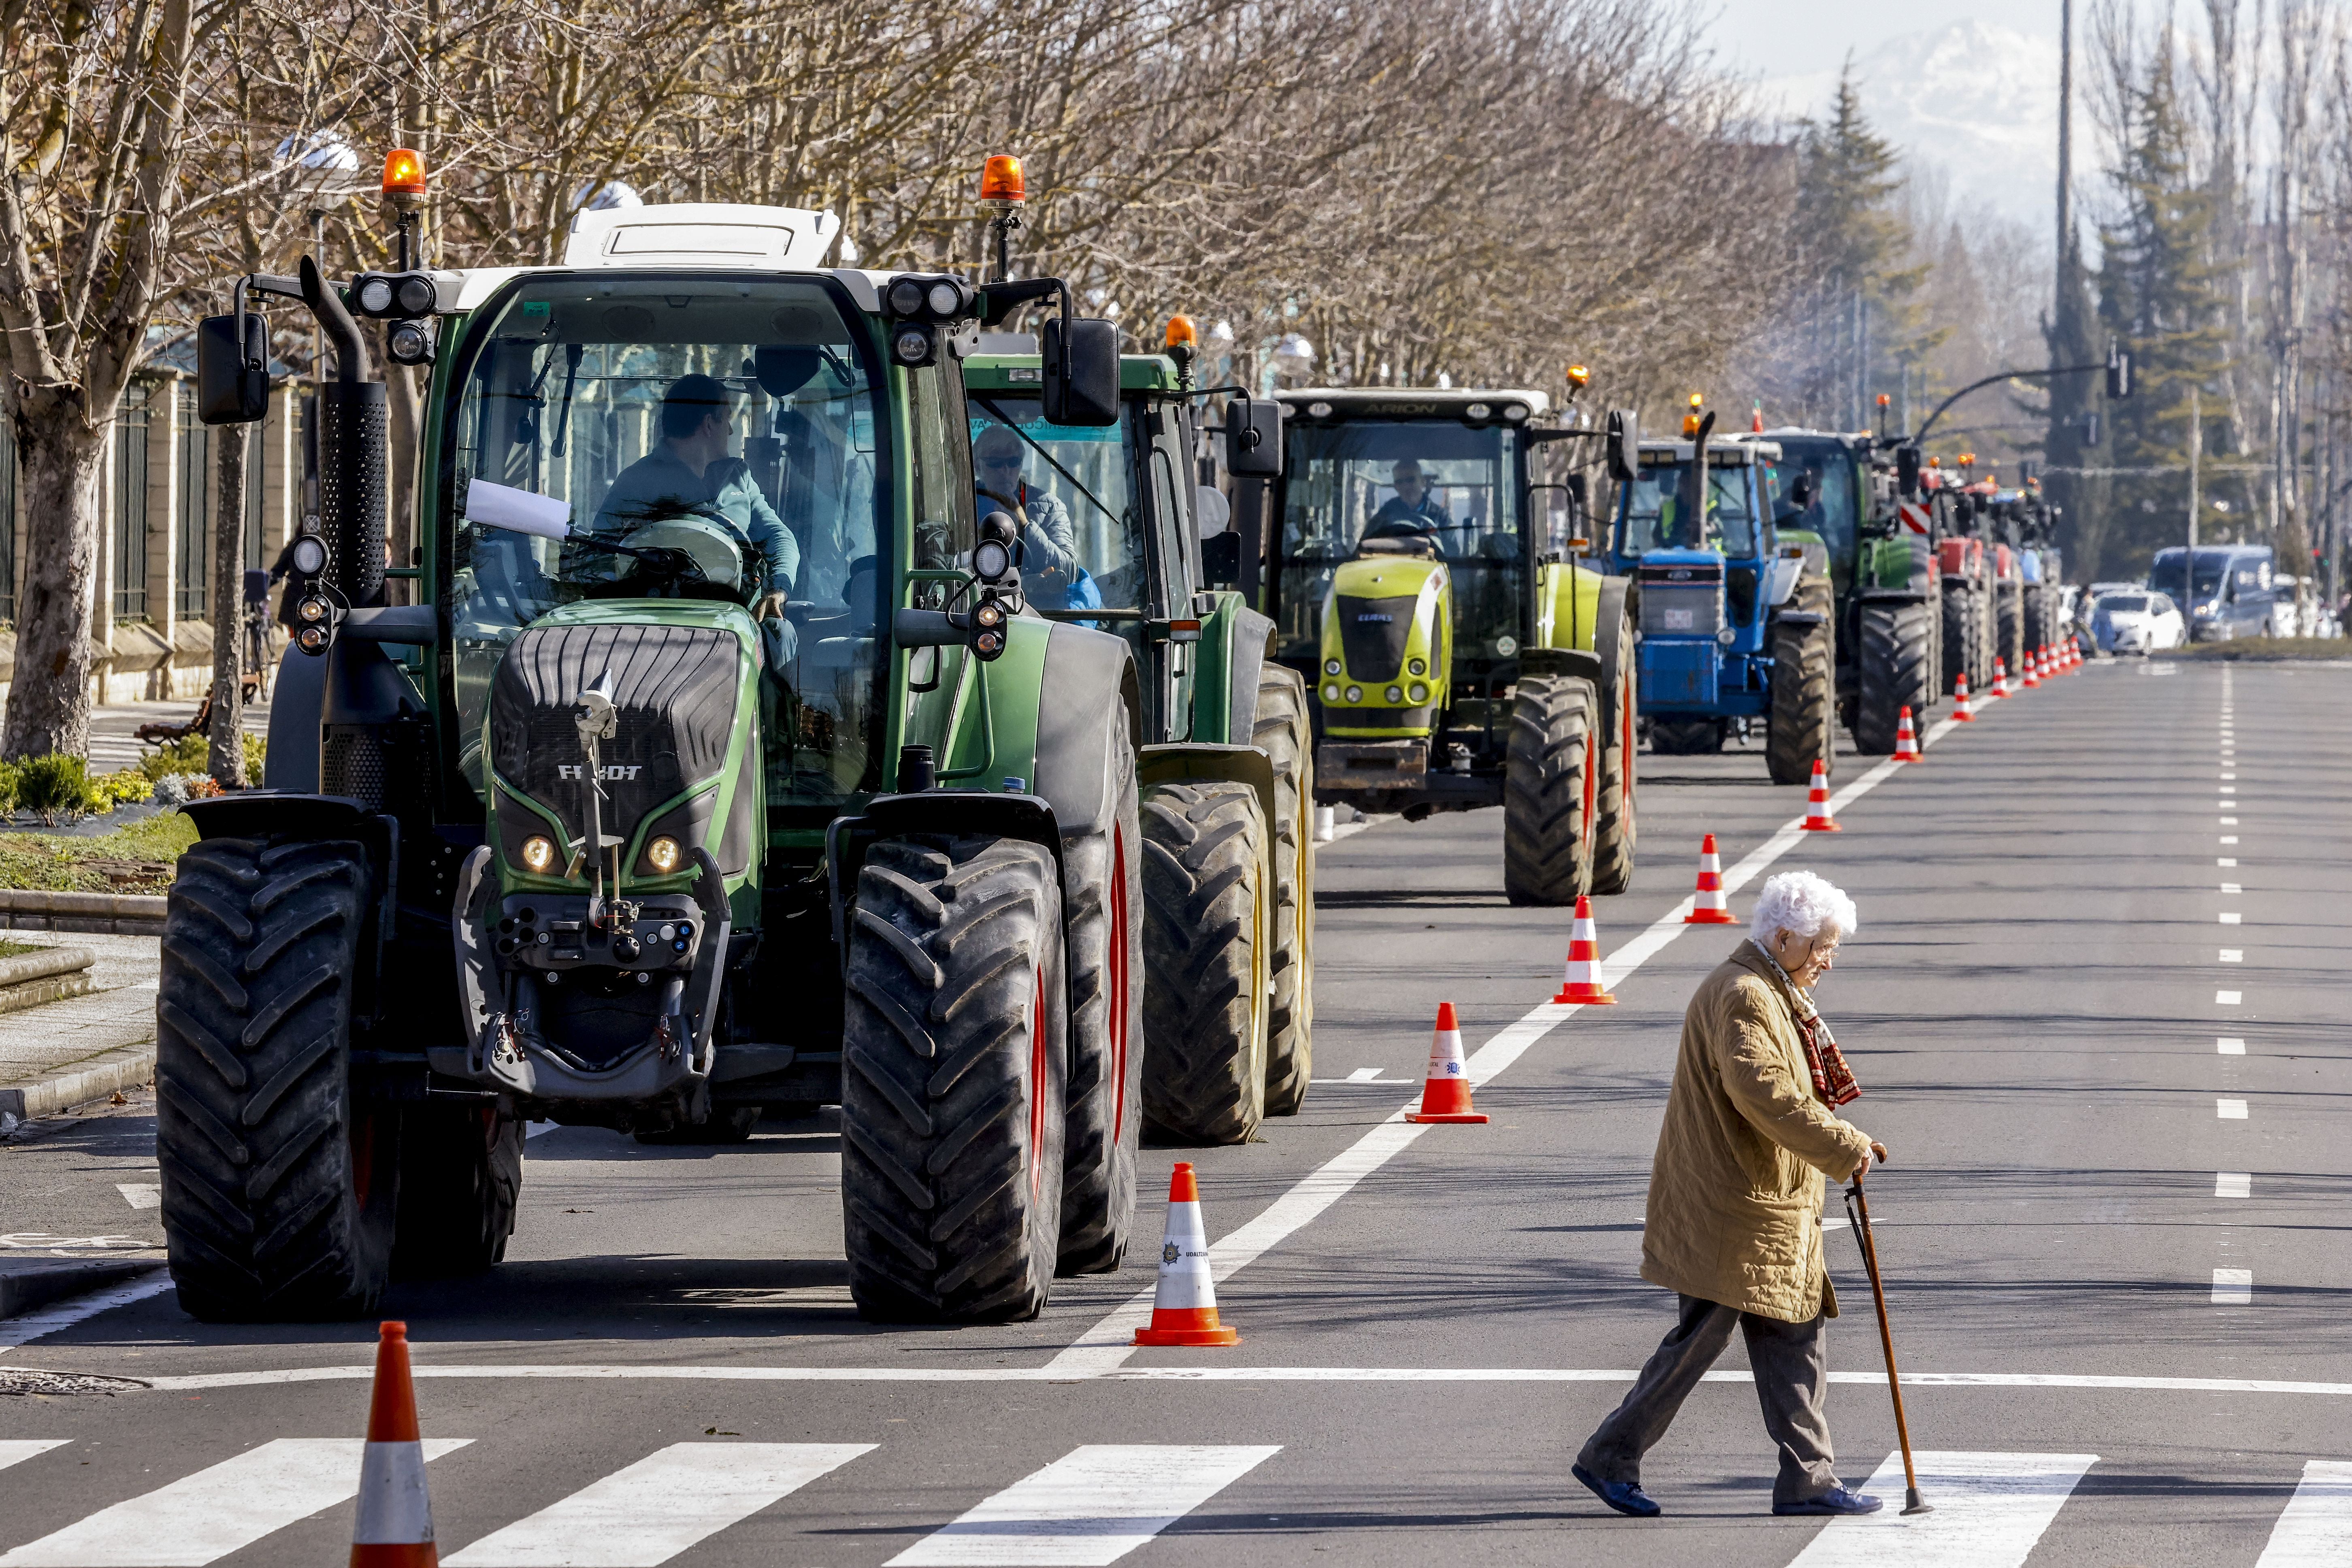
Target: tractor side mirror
[231, 376]
[1254, 439]
[1800, 493]
[1906, 469]
[1625, 456]
[1081, 386]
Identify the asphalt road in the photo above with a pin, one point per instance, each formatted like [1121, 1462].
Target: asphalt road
[2093, 1003]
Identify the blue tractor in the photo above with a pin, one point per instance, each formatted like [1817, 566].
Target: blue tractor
[1736, 618]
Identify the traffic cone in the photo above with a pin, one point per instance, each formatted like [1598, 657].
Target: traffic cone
[394, 1528]
[2032, 667]
[1962, 713]
[1184, 1307]
[1582, 981]
[1445, 1095]
[1907, 740]
[1817, 802]
[2000, 678]
[1709, 908]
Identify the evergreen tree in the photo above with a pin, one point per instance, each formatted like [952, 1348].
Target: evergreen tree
[2083, 500]
[1862, 321]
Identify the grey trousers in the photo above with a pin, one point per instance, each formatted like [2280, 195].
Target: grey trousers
[1791, 1367]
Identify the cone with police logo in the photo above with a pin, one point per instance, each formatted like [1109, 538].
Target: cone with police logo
[1817, 802]
[393, 1524]
[1962, 712]
[1707, 907]
[1445, 1095]
[1907, 740]
[1184, 1307]
[1582, 981]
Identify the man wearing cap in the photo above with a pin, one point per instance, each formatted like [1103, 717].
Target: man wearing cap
[691, 473]
[1413, 508]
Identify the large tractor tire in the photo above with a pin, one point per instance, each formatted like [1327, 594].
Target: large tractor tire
[1102, 903]
[1551, 788]
[280, 1186]
[1686, 737]
[1613, 828]
[1893, 670]
[2010, 645]
[1988, 635]
[1804, 681]
[1283, 731]
[1208, 952]
[460, 1179]
[2034, 606]
[952, 1081]
[1960, 640]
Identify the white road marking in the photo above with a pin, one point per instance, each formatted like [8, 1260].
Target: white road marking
[216, 1511]
[534, 1129]
[2226, 861]
[2227, 998]
[2233, 1184]
[2233, 955]
[2229, 1045]
[1093, 1506]
[2233, 1287]
[2228, 918]
[17, 1450]
[32, 1326]
[650, 1511]
[2230, 838]
[2228, 776]
[1991, 1509]
[2231, 888]
[2230, 1109]
[1364, 1075]
[2315, 1529]
[2229, 789]
[141, 1195]
[2228, 822]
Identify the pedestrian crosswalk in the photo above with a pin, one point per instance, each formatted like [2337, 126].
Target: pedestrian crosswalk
[1095, 1505]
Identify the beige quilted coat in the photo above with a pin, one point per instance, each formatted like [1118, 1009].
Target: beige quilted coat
[1736, 1191]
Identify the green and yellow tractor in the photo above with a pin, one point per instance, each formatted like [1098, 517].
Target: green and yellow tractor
[1427, 578]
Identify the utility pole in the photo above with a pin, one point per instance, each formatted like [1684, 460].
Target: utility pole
[2196, 453]
[2065, 141]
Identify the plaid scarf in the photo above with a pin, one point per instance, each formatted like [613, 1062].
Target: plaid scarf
[1833, 1080]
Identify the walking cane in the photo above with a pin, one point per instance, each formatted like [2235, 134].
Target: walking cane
[1859, 1224]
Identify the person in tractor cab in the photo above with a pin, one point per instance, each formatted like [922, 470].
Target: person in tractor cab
[1413, 509]
[691, 474]
[1051, 574]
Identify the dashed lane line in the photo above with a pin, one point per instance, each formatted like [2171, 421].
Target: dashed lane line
[2229, 1046]
[2233, 1184]
[2230, 1109]
[2233, 1287]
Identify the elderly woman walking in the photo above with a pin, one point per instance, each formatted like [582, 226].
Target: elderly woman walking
[1736, 1190]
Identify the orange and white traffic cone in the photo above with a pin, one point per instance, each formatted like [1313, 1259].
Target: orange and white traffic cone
[1582, 981]
[1817, 802]
[2032, 667]
[2001, 678]
[1907, 740]
[394, 1528]
[1962, 712]
[1445, 1094]
[1709, 908]
[1184, 1307]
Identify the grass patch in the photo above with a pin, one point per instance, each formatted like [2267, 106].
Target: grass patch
[140, 858]
[18, 949]
[2263, 648]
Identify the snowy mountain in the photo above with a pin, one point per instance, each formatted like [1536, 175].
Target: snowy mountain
[1979, 101]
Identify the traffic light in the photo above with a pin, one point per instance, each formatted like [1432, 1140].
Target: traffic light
[2119, 371]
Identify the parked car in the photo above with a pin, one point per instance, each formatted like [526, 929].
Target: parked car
[2139, 620]
[2229, 591]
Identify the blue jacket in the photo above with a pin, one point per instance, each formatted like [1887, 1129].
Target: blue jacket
[659, 485]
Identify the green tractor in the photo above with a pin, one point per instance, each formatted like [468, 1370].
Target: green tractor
[720, 761]
[1113, 518]
[1426, 578]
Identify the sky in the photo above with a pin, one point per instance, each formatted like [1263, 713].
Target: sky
[1797, 38]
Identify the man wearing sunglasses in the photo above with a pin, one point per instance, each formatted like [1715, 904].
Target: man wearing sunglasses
[1049, 552]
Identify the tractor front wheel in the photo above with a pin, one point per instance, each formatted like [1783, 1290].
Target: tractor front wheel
[1283, 732]
[952, 1062]
[1613, 831]
[1551, 789]
[460, 1180]
[1805, 677]
[1102, 897]
[1208, 941]
[1893, 673]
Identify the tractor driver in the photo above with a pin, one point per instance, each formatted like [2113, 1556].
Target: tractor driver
[690, 472]
[1413, 509]
[1049, 542]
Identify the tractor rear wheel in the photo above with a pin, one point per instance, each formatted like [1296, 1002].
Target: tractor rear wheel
[1208, 940]
[952, 1061]
[1613, 831]
[1551, 788]
[1686, 737]
[1804, 675]
[1892, 665]
[2011, 636]
[1959, 644]
[1283, 732]
[1102, 901]
[460, 1179]
[280, 1184]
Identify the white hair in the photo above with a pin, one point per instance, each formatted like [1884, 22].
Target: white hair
[1800, 903]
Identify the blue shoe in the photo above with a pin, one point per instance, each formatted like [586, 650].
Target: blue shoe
[1837, 1499]
[1626, 1497]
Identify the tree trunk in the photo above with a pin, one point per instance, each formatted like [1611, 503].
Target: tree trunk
[63, 455]
[225, 759]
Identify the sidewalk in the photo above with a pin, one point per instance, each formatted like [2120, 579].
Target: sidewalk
[67, 1053]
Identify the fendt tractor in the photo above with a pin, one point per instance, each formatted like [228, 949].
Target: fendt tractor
[1114, 519]
[1426, 579]
[1882, 570]
[1738, 623]
[720, 762]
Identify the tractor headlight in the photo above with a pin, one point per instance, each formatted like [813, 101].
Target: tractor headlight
[662, 854]
[538, 853]
[313, 609]
[1355, 694]
[1395, 695]
[416, 293]
[311, 639]
[988, 645]
[991, 612]
[410, 343]
[944, 298]
[1331, 667]
[375, 297]
[991, 561]
[1419, 694]
[905, 298]
[1506, 646]
[1415, 667]
[911, 345]
[309, 555]
[1331, 692]
[1478, 410]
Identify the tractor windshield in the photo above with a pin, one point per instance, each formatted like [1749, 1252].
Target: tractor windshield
[1652, 515]
[703, 440]
[1446, 484]
[1833, 511]
[1074, 488]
